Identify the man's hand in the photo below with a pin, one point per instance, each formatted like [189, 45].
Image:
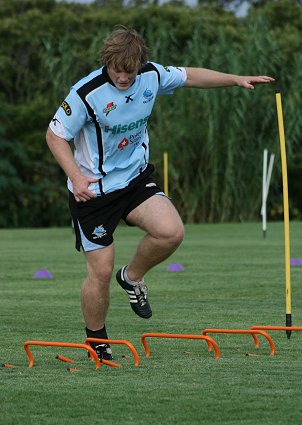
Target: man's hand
[80, 185]
[248, 82]
[61, 150]
[207, 78]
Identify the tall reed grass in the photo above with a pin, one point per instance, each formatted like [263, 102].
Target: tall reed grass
[216, 137]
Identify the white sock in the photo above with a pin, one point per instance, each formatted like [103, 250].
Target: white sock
[128, 280]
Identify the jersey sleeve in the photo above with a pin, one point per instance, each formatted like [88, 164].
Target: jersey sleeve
[70, 117]
[170, 78]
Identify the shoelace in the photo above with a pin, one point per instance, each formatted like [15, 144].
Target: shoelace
[141, 293]
[101, 348]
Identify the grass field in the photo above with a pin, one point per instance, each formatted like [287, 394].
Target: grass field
[232, 279]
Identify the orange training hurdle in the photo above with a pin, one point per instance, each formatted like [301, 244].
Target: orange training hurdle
[65, 359]
[116, 341]
[278, 328]
[210, 341]
[252, 332]
[60, 344]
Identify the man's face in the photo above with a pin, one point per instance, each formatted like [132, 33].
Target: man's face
[121, 79]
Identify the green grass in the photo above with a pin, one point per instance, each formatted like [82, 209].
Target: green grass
[232, 279]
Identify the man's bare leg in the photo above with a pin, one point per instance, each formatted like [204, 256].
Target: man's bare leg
[158, 217]
[95, 291]
[165, 232]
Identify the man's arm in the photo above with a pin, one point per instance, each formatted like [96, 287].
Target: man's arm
[62, 152]
[207, 78]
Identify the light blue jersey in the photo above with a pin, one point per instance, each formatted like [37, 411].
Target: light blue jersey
[109, 126]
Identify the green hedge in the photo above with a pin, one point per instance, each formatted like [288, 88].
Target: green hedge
[215, 138]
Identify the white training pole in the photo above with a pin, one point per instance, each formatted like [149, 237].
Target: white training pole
[266, 178]
[269, 173]
[263, 209]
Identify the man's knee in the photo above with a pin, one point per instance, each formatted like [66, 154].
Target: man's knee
[173, 234]
[178, 234]
[101, 274]
[100, 265]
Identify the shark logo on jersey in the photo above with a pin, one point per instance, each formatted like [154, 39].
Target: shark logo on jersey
[99, 232]
[148, 96]
[110, 107]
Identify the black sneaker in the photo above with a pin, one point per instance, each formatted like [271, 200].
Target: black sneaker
[137, 295]
[103, 351]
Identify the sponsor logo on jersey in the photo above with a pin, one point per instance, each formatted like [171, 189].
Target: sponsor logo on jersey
[123, 128]
[148, 96]
[123, 143]
[167, 69]
[55, 121]
[99, 232]
[58, 127]
[110, 107]
[66, 107]
[129, 98]
[135, 139]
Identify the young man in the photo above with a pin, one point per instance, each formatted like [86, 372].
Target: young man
[109, 176]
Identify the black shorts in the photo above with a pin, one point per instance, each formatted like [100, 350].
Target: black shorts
[96, 220]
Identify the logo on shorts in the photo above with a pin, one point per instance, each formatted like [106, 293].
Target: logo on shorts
[150, 184]
[99, 232]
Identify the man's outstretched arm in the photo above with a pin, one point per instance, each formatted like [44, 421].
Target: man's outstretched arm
[207, 78]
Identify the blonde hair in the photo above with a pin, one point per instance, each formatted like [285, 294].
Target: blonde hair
[124, 50]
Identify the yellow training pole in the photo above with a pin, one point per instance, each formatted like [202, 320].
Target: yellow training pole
[286, 212]
[166, 180]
